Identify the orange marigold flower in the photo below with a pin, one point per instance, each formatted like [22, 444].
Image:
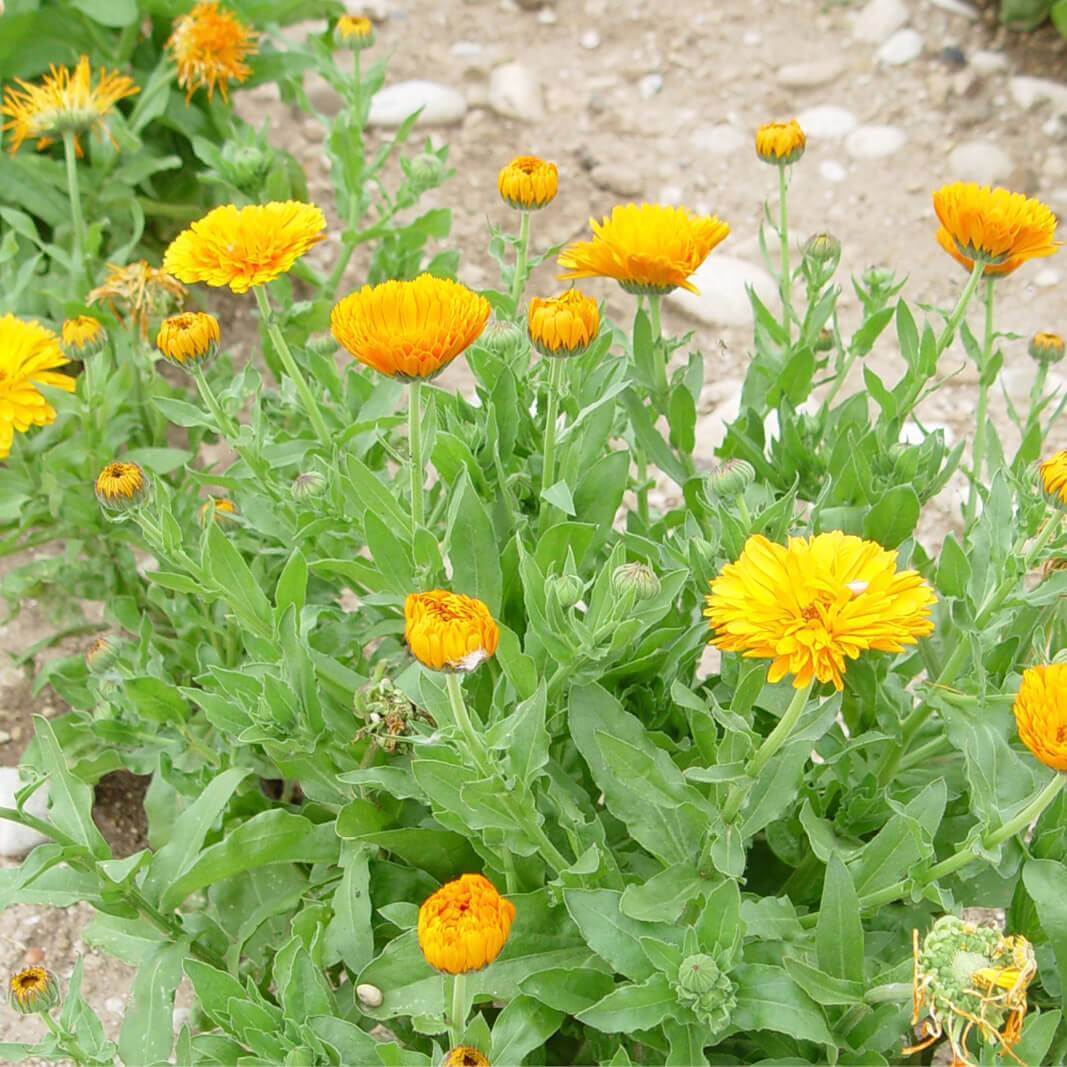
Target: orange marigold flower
[465, 1056]
[355, 31]
[1047, 347]
[189, 339]
[780, 143]
[82, 337]
[815, 603]
[1041, 714]
[646, 248]
[409, 329]
[138, 292]
[210, 46]
[243, 247]
[1054, 477]
[528, 183]
[449, 631]
[566, 325]
[34, 991]
[121, 486]
[991, 270]
[463, 926]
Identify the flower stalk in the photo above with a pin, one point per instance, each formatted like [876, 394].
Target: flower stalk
[418, 507]
[555, 387]
[786, 279]
[518, 283]
[457, 1016]
[77, 218]
[983, 404]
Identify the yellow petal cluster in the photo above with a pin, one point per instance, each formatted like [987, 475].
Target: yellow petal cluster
[1054, 476]
[528, 183]
[449, 631]
[355, 31]
[1041, 713]
[780, 143]
[465, 1056]
[82, 337]
[565, 325]
[121, 486]
[463, 926]
[217, 508]
[190, 338]
[1047, 347]
[33, 991]
[209, 47]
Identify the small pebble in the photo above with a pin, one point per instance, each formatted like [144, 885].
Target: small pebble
[649, 85]
[1047, 279]
[953, 56]
[370, 995]
[33, 956]
[589, 40]
[832, 171]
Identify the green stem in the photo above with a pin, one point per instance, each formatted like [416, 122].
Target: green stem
[230, 430]
[983, 404]
[77, 218]
[555, 387]
[961, 307]
[786, 280]
[65, 1040]
[518, 283]
[742, 510]
[89, 412]
[457, 1016]
[659, 354]
[418, 507]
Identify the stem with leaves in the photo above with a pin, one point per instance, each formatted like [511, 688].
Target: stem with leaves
[418, 507]
[983, 405]
[77, 265]
[518, 283]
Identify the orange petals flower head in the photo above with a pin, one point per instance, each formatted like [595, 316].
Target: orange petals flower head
[465, 1056]
[189, 339]
[646, 248]
[449, 631]
[355, 32]
[64, 102]
[210, 46]
[1041, 714]
[528, 183]
[29, 354]
[1047, 348]
[243, 247]
[1053, 473]
[82, 337]
[1004, 229]
[812, 605]
[33, 991]
[566, 325]
[121, 486]
[780, 143]
[463, 926]
[409, 330]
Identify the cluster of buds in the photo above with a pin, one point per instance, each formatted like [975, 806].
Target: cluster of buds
[386, 713]
[706, 990]
[876, 287]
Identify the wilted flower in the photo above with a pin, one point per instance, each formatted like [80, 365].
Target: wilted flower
[465, 1056]
[1041, 713]
[82, 337]
[731, 477]
[354, 31]
[780, 143]
[528, 183]
[463, 926]
[636, 578]
[648, 249]
[138, 292]
[1046, 347]
[217, 508]
[386, 713]
[702, 986]
[210, 46]
[1053, 473]
[189, 339]
[307, 484]
[121, 486]
[815, 603]
[34, 991]
[565, 325]
[449, 631]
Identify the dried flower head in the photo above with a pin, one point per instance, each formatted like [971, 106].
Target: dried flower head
[1047, 348]
[564, 325]
[465, 1056]
[82, 337]
[1053, 472]
[1041, 713]
[210, 46]
[34, 991]
[189, 339]
[463, 926]
[138, 293]
[449, 631]
[780, 143]
[121, 486]
[528, 183]
[812, 605]
[354, 31]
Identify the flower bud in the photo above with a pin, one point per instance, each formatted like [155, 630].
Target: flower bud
[33, 991]
[426, 170]
[823, 247]
[504, 339]
[565, 325]
[567, 589]
[102, 654]
[825, 341]
[322, 344]
[190, 339]
[308, 484]
[82, 337]
[635, 577]
[528, 183]
[1047, 348]
[702, 986]
[730, 477]
[218, 508]
[355, 32]
[465, 1056]
[122, 486]
[1052, 474]
[780, 143]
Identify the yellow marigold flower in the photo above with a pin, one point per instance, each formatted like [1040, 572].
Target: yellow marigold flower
[409, 329]
[28, 355]
[465, 1056]
[1046, 347]
[65, 101]
[528, 183]
[189, 338]
[815, 603]
[992, 270]
[210, 47]
[217, 508]
[994, 224]
[355, 32]
[566, 325]
[1041, 713]
[449, 631]
[646, 248]
[121, 486]
[780, 143]
[1054, 476]
[82, 337]
[138, 292]
[243, 247]
[34, 991]
[463, 926]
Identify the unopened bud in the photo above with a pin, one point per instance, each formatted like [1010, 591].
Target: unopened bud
[102, 654]
[33, 991]
[731, 477]
[308, 484]
[567, 589]
[825, 341]
[635, 577]
[823, 247]
[1047, 348]
[427, 170]
[505, 339]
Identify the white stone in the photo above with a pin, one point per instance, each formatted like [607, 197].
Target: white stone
[649, 85]
[809, 75]
[832, 171]
[589, 40]
[827, 122]
[879, 20]
[723, 297]
[875, 142]
[547, 16]
[466, 49]
[957, 7]
[904, 46]
[16, 840]
[375, 10]
[441, 106]
[752, 38]
[989, 62]
[720, 140]
[1047, 279]
[981, 162]
[370, 995]
[115, 1005]
[515, 92]
[1028, 92]
[671, 195]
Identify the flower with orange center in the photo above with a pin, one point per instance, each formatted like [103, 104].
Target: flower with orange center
[647, 248]
[410, 330]
[121, 486]
[566, 325]
[243, 247]
[65, 102]
[137, 293]
[218, 508]
[463, 926]
[528, 183]
[449, 631]
[28, 355]
[465, 1056]
[210, 47]
[189, 339]
[1041, 714]
[780, 143]
[812, 605]
[82, 337]
[1054, 477]
[1047, 348]
[1002, 229]
[355, 31]
[34, 991]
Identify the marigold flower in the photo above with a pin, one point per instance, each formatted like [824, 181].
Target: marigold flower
[465, 1056]
[210, 47]
[243, 247]
[28, 355]
[646, 248]
[991, 270]
[1041, 713]
[565, 325]
[355, 31]
[463, 926]
[995, 225]
[815, 603]
[65, 101]
[1054, 477]
[34, 991]
[137, 293]
[528, 183]
[780, 143]
[1046, 347]
[82, 337]
[410, 329]
[217, 508]
[121, 486]
[449, 631]
[189, 339]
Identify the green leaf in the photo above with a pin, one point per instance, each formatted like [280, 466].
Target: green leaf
[112, 13]
[634, 1007]
[822, 987]
[559, 496]
[229, 569]
[350, 929]
[156, 700]
[352, 1044]
[524, 1025]
[893, 519]
[839, 933]
[292, 584]
[302, 989]
[953, 568]
[569, 991]
[1045, 881]
[768, 999]
[182, 413]
[720, 927]
[526, 738]
[473, 550]
[664, 896]
[147, 1033]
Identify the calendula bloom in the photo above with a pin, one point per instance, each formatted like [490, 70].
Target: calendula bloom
[812, 605]
[465, 1056]
[137, 293]
[994, 225]
[449, 631]
[29, 354]
[82, 337]
[1041, 713]
[1046, 347]
[34, 991]
[65, 101]
[463, 926]
[991, 270]
[968, 978]
[780, 143]
[409, 329]
[646, 248]
[566, 325]
[189, 339]
[217, 508]
[1053, 473]
[528, 183]
[121, 486]
[210, 46]
[355, 32]
[243, 247]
